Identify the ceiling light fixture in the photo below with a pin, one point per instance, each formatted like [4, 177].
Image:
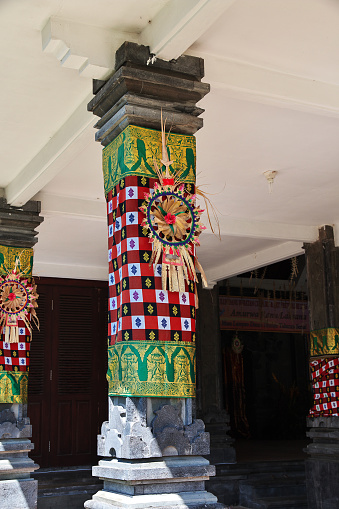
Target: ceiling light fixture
[270, 176]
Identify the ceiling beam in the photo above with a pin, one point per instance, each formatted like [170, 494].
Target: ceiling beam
[179, 24]
[265, 230]
[254, 261]
[60, 270]
[268, 86]
[87, 49]
[79, 208]
[43, 168]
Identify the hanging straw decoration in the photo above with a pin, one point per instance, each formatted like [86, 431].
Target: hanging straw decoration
[173, 221]
[18, 300]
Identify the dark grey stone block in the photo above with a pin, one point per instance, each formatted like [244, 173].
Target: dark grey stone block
[132, 53]
[17, 224]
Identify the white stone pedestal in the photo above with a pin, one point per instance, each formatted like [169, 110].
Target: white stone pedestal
[172, 482]
[17, 489]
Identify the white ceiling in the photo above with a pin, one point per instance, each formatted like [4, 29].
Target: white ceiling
[273, 105]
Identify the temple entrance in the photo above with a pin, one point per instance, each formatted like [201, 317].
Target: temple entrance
[264, 343]
[266, 393]
[67, 386]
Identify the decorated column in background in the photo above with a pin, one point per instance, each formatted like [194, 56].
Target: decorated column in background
[322, 467]
[153, 230]
[210, 401]
[18, 300]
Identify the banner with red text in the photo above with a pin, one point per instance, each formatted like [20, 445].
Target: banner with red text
[258, 314]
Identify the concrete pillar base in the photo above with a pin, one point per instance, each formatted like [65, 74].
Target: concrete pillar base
[17, 489]
[19, 494]
[177, 482]
[322, 466]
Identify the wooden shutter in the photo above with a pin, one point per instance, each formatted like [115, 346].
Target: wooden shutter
[67, 389]
[38, 381]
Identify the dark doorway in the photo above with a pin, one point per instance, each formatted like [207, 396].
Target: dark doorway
[266, 385]
[67, 390]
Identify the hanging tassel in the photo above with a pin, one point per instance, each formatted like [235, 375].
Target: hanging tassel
[164, 271]
[14, 336]
[181, 278]
[202, 272]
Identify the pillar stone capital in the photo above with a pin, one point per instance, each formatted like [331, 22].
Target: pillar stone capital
[18, 224]
[139, 90]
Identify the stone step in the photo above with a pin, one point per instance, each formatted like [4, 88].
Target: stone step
[254, 489]
[65, 487]
[259, 468]
[252, 476]
[286, 502]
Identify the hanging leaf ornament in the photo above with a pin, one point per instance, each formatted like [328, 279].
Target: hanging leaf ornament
[173, 221]
[18, 301]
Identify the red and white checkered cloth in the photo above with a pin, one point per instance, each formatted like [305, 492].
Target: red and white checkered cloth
[325, 378]
[138, 307]
[15, 356]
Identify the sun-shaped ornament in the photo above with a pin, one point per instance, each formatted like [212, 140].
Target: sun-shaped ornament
[173, 220]
[18, 300]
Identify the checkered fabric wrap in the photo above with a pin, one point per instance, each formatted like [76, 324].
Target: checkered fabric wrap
[138, 307]
[325, 383]
[15, 356]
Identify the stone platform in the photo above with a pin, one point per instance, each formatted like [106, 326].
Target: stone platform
[171, 482]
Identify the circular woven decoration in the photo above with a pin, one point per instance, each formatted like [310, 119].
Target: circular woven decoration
[17, 302]
[237, 345]
[13, 297]
[173, 222]
[171, 218]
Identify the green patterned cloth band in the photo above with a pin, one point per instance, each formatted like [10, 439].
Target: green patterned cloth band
[13, 387]
[324, 342]
[151, 368]
[10, 255]
[134, 150]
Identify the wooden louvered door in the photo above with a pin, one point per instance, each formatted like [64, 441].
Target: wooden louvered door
[39, 387]
[68, 403]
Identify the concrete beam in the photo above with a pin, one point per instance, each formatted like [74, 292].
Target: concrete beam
[264, 230]
[268, 86]
[88, 49]
[59, 270]
[179, 24]
[42, 168]
[72, 207]
[254, 261]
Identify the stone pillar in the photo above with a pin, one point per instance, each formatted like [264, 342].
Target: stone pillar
[17, 489]
[210, 404]
[151, 442]
[322, 466]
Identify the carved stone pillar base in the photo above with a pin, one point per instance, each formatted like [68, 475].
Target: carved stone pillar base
[177, 482]
[322, 467]
[17, 489]
[141, 428]
[217, 425]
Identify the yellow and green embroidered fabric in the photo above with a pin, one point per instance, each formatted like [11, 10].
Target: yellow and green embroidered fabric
[13, 387]
[324, 342]
[8, 257]
[134, 150]
[146, 368]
